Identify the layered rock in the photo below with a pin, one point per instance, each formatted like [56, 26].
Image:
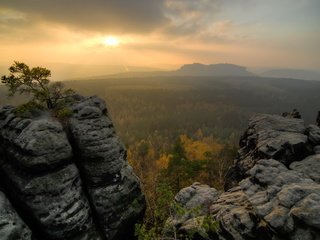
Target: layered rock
[269, 136]
[69, 182]
[11, 225]
[272, 191]
[112, 187]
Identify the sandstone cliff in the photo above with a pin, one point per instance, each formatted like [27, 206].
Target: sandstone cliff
[66, 182]
[272, 191]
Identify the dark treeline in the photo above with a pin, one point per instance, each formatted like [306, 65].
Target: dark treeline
[178, 105]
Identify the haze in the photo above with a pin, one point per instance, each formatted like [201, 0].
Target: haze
[158, 34]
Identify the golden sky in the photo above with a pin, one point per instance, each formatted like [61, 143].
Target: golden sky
[161, 34]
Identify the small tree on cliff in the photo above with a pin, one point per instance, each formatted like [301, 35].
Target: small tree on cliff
[35, 81]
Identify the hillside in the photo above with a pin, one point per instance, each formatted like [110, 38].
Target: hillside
[195, 69]
[170, 106]
[292, 73]
[198, 69]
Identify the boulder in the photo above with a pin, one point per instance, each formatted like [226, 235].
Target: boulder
[191, 204]
[197, 195]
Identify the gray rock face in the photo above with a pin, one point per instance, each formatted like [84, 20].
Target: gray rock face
[273, 190]
[43, 145]
[279, 196]
[43, 182]
[309, 167]
[110, 181]
[100, 153]
[236, 216]
[81, 188]
[269, 136]
[278, 138]
[316, 149]
[313, 132]
[11, 225]
[55, 201]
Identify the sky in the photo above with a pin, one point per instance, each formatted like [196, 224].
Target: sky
[161, 34]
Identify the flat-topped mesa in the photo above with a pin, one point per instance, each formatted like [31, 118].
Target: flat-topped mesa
[272, 190]
[68, 183]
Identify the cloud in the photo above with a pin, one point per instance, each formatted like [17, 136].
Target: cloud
[116, 16]
[168, 17]
[14, 26]
[166, 20]
[188, 17]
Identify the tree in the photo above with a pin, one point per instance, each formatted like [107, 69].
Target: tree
[219, 163]
[35, 81]
[181, 171]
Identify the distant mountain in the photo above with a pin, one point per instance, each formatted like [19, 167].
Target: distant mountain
[195, 69]
[222, 69]
[292, 73]
[133, 74]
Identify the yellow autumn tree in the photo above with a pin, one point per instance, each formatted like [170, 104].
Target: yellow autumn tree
[197, 149]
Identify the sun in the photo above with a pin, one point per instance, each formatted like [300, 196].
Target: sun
[110, 41]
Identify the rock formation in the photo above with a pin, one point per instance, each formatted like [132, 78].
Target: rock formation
[66, 182]
[272, 190]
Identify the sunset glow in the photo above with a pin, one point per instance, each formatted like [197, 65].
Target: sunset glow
[111, 41]
[161, 34]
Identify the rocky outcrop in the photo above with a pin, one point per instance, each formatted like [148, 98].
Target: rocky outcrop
[269, 137]
[67, 182]
[112, 187]
[272, 191]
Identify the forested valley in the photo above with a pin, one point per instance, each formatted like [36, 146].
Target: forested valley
[179, 130]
